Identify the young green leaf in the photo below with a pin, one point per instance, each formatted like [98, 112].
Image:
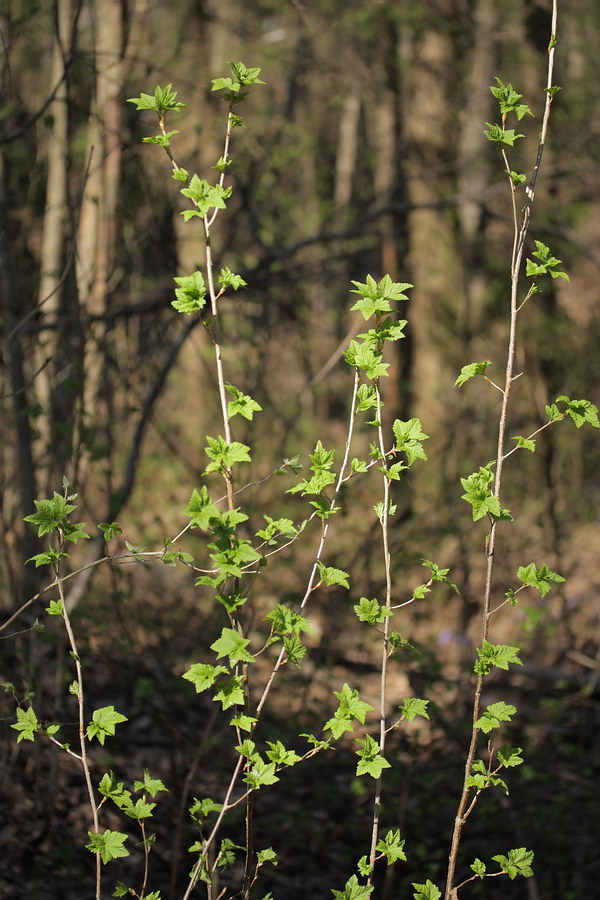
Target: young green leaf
[27, 724]
[510, 756]
[329, 575]
[191, 293]
[50, 514]
[230, 693]
[280, 756]
[413, 706]
[580, 411]
[541, 579]
[524, 443]
[109, 844]
[509, 99]
[479, 494]
[371, 762]
[55, 608]
[494, 715]
[392, 846]
[48, 558]
[110, 530]
[162, 101]
[232, 644]
[104, 722]
[409, 436]
[470, 371]
[267, 855]
[518, 862]
[260, 774]
[427, 891]
[371, 611]
[499, 135]
[203, 676]
[353, 890]
[499, 655]
[478, 867]
[225, 455]
[241, 404]
[227, 278]
[150, 785]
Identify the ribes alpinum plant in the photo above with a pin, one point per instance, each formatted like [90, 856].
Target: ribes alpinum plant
[233, 559]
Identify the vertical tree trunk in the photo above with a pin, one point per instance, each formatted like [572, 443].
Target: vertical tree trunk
[434, 267]
[18, 389]
[54, 229]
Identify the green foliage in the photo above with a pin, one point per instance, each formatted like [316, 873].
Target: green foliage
[353, 890]
[104, 722]
[52, 515]
[191, 293]
[426, 891]
[204, 196]
[518, 862]
[469, 371]
[409, 436]
[27, 724]
[495, 714]
[392, 847]
[162, 101]
[412, 707]
[371, 611]
[108, 845]
[499, 135]
[241, 404]
[371, 762]
[329, 576]
[376, 296]
[350, 708]
[233, 645]
[541, 579]
[546, 264]
[478, 492]
[580, 411]
[224, 455]
[499, 655]
[509, 100]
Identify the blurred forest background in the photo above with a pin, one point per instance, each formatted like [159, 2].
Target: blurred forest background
[363, 153]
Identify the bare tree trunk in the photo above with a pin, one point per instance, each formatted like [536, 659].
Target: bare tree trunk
[52, 251]
[98, 226]
[434, 267]
[347, 150]
[18, 389]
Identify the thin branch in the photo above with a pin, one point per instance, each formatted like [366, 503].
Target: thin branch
[516, 263]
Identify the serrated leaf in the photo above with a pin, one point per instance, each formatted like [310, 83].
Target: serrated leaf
[413, 706]
[499, 655]
[541, 579]
[230, 693]
[151, 785]
[203, 676]
[494, 715]
[353, 890]
[104, 722]
[27, 724]
[108, 845]
[242, 404]
[232, 644]
[371, 611]
[392, 846]
[470, 371]
[518, 862]
[329, 575]
[409, 436]
[426, 891]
